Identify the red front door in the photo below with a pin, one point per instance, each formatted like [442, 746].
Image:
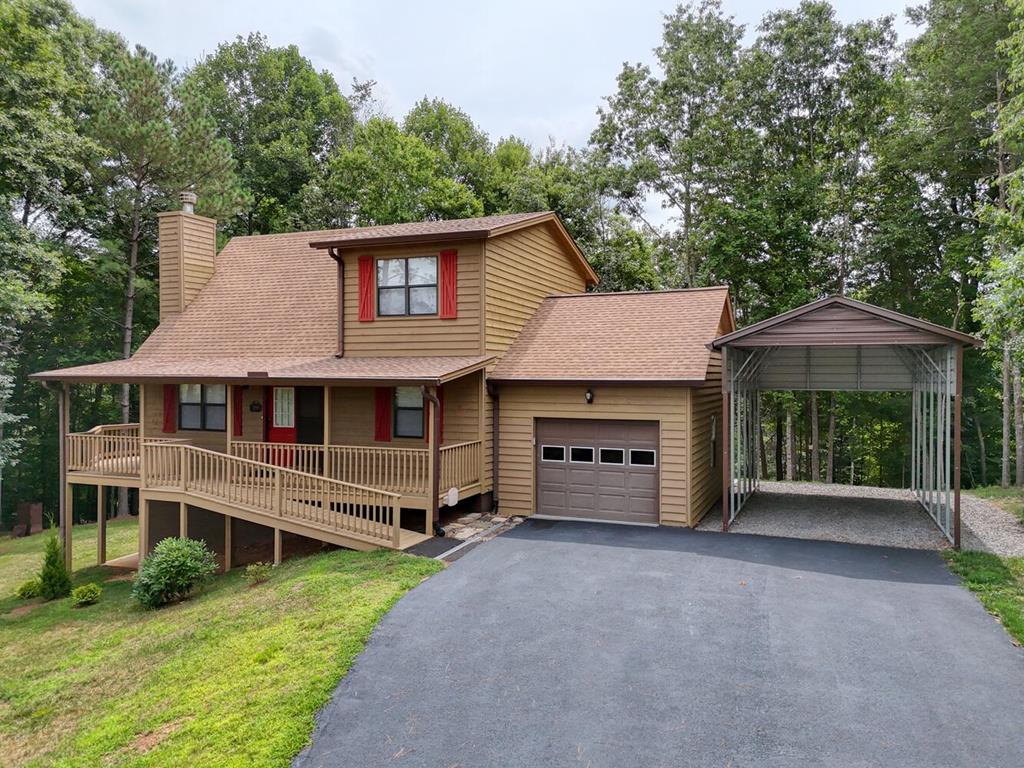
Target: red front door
[279, 425]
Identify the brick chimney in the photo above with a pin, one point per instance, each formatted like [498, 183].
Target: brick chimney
[188, 247]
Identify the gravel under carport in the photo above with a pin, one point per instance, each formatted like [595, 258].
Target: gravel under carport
[587, 644]
[889, 517]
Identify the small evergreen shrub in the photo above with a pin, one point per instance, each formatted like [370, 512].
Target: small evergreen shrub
[28, 590]
[172, 571]
[87, 594]
[257, 573]
[54, 579]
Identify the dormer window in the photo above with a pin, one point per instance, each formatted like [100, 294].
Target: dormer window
[407, 286]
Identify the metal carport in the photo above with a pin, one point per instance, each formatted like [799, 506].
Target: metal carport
[839, 344]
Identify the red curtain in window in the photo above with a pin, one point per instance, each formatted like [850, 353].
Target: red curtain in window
[366, 286]
[383, 397]
[236, 411]
[449, 285]
[170, 408]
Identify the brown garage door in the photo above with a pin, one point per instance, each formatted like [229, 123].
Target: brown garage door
[602, 470]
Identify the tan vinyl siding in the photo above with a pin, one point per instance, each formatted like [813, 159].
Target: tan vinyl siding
[353, 410]
[462, 409]
[188, 249]
[153, 408]
[252, 421]
[521, 405]
[705, 461]
[522, 268]
[405, 336]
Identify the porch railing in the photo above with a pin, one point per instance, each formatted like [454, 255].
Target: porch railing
[274, 490]
[110, 450]
[460, 464]
[402, 470]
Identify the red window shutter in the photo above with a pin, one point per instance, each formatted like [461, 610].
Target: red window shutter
[236, 411]
[366, 289]
[383, 397]
[449, 285]
[170, 408]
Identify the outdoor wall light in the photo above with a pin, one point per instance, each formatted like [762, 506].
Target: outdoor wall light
[589, 396]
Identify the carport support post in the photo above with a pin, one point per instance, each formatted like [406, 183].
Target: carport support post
[957, 443]
[726, 437]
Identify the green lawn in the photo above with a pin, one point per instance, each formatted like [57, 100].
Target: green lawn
[232, 677]
[1010, 499]
[998, 583]
[20, 558]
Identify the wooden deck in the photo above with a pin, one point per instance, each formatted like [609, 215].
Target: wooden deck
[277, 492]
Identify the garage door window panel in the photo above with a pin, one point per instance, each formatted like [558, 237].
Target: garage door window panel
[612, 456]
[642, 457]
[581, 455]
[552, 453]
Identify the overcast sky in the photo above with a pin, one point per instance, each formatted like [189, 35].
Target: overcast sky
[534, 68]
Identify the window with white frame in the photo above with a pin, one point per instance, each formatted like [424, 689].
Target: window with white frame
[284, 407]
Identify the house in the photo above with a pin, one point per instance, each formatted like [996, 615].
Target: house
[345, 385]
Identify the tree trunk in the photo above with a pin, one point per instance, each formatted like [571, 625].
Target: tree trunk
[779, 437]
[981, 449]
[128, 337]
[831, 457]
[764, 450]
[1018, 428]
[1004, 479]
[815, 452]
[790, 447]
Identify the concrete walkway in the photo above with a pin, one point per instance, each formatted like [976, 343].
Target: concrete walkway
[579, 644]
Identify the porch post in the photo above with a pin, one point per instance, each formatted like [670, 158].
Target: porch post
[327, 427]
[227, 543]
[433, 457]
[277, 546]
[143, 528]
[101, 527]
[65, 511]
[230, 416]
[182, 520]
[957, 443]
[726, 466]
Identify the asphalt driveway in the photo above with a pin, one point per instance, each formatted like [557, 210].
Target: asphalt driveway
[579, 644]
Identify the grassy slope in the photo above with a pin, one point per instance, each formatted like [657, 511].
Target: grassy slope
[998, 582]
[232, 677]
[20, 558]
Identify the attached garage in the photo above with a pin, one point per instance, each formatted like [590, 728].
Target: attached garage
[607, 407]
[597, 470]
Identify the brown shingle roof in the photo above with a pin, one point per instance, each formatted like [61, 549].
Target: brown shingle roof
[656, 336]
[479, 227]
[425, 370]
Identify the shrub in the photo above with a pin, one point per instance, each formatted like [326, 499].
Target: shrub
[54, 580]
[257, 573]
[87, 594]
[28, 590]
[172, 571]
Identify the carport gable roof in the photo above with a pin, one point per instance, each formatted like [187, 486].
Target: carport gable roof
[651, 337]
[841, 321]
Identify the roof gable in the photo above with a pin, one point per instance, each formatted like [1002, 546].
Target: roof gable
[840, 321]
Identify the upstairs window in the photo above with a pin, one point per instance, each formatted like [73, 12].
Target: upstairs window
[203, 407]
[407, 286]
